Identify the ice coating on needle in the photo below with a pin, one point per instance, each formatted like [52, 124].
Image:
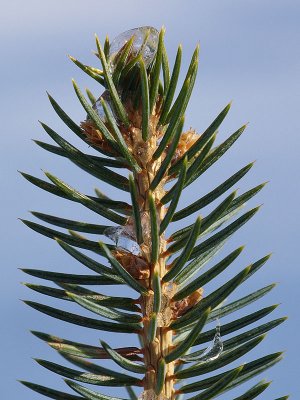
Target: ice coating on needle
[123, 239]
[145, 42]
[212, 352]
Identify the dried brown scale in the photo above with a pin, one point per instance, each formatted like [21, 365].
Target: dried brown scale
[187, 139]
[135, 265]
[182, 306]
[95, 137]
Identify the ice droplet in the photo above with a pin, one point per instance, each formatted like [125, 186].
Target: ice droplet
[145, 41]
[212, 352]
[123, 239]
[97, 106]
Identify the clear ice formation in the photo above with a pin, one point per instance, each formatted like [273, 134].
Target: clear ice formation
[145, 42]
[97, 106]
[212, 352]
[123, 239]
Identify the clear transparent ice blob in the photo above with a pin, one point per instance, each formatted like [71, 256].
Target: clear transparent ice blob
[97, 106]
[146, 45]
[123, 239]
[212, 352]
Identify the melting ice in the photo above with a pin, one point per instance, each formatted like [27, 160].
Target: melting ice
[212, 352]
[123, 239]
[97, 106]
[145, 41]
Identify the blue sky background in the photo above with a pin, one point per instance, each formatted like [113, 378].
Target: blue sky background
[249, 54]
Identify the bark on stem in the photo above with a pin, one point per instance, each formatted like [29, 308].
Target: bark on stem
[159, 347]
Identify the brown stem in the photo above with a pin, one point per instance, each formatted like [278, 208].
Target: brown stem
[159, 347]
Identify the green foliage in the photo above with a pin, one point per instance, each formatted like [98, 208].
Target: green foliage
[123, 361]
[140, 97]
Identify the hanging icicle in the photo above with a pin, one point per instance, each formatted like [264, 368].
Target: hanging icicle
[212, 352]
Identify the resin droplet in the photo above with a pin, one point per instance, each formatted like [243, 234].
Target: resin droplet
[123, 239]
[186, 141]
[145, 42]
[212, 352]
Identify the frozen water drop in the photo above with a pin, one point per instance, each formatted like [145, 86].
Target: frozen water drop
[145, 42]
[123, 239]
[97, 106]
[129, 245]
[113, 232]
[212, 352]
